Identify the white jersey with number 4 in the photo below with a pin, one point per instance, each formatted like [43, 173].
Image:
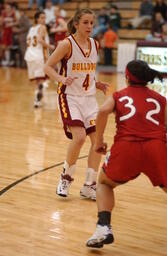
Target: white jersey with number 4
[35, 51]
[82, 66]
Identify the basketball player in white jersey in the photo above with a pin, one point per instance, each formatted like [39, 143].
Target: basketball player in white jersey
[37, 54]
[77, 100]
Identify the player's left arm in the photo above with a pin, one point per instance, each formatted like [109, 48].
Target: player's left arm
[100, 85]
[41, 38]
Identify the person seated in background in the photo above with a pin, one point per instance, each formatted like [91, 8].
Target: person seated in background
[39, 4]
[156, 28]
[49, 12]
[59, 2]
[115, 18]
[59, 28]
[145, 14]
[161, 7]
[102, 23]
[164, 33]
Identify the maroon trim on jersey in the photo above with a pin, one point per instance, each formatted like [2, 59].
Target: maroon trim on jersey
[90, 47]
[38, 78]
[63, 72]
[90, 129]
[68, 57]
[66, 117]
[97, 48]
[64, 109]
[63, 69]
[132, 77]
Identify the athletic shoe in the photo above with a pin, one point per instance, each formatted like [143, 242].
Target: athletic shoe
[102, 235]
[89, 191]
[37, 104]
[64, 185]
[38, 99]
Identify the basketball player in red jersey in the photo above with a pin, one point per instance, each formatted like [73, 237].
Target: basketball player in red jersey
[59, 27]
[77, 100]
[8, 21]
[139, 144]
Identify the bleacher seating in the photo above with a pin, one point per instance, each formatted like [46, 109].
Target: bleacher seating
[128, 10]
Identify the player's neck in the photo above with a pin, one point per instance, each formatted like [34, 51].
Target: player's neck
[82, 40]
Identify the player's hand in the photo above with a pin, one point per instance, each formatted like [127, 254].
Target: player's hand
[68, 80]
[101, 148]
[102, 86]
[52, 47]
[15, 30]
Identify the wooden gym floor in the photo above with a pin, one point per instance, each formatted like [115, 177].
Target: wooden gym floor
[33, 220]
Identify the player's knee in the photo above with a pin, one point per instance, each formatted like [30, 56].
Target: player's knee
[80, 140]
[103, 179]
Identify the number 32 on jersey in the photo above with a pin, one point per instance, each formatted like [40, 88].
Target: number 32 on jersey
[132, 108]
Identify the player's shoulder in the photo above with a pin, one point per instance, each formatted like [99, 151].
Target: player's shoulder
[41, 27]
[65, 43]
[121, 92]
[95, 42]
[155, 94]
[64, 47]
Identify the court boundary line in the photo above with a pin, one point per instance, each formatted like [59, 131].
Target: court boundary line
[13, 184]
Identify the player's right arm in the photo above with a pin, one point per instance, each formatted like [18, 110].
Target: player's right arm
[101, 122]
[62, 50]
[41, 38]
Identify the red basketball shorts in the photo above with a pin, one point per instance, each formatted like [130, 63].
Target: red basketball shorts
[7, 37]
[127, 159]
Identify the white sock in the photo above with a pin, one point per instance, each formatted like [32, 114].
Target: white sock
[91, 176]
[7, 55]
[45, 84]
[69, 169]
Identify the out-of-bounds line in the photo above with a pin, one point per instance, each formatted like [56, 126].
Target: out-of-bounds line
[4, 190]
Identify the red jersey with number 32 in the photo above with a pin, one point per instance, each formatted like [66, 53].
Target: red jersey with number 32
[140, 114]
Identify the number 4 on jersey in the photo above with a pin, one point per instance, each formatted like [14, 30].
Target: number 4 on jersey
[86, 82]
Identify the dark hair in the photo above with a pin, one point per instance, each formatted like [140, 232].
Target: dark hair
[15, 5]
[115, 7]
[143, 72]
[75, 20]
[37, 15]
